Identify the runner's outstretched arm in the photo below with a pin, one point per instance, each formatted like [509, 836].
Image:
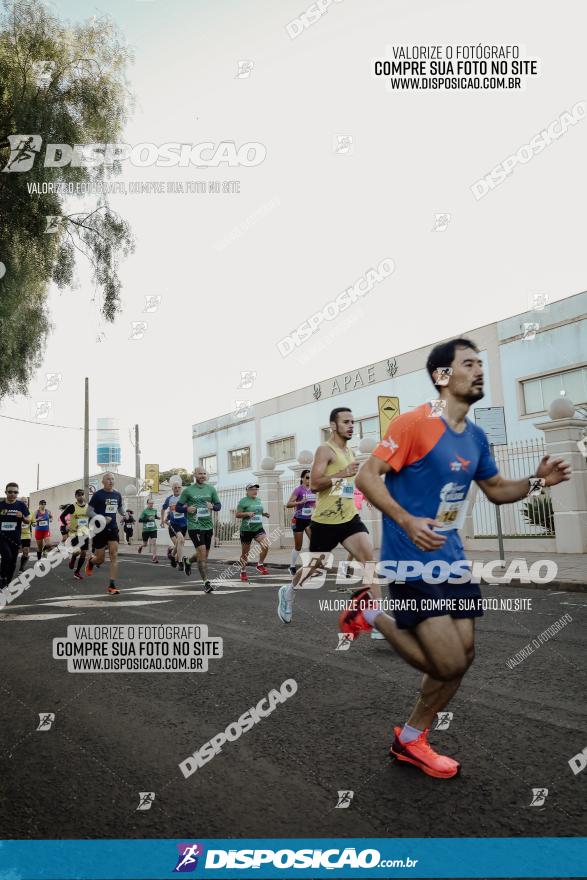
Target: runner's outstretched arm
[502, 491]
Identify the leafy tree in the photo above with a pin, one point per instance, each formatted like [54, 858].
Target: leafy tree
[64, 84]
[186, 476]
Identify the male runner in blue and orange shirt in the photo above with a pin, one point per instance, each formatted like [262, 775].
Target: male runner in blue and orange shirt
[429, 458]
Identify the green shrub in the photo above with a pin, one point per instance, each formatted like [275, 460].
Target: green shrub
[538, 512]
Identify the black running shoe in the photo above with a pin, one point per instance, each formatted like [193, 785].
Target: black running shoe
[208, 588]
[187, 566]
[180, 566]
[173, 561]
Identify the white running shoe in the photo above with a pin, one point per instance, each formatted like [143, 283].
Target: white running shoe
[284, 606]
[375, 634]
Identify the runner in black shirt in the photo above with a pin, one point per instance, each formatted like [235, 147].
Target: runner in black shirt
[12, 514]
[107, 502]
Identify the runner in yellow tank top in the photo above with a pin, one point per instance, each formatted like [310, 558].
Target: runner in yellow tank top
[78, 529]
[335, 519]
[335, 503]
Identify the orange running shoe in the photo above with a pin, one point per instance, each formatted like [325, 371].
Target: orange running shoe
[89, 569]
[422, 755]
[352, 620]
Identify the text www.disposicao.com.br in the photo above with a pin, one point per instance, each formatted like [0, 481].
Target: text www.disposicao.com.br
[143, 664]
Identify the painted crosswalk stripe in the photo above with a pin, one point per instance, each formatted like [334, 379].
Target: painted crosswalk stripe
[34, 616]
[106, 601]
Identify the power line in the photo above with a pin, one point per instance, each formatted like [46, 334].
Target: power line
[43, 424]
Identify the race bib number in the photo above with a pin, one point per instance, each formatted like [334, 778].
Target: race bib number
[177, 515]
[111, 506]
[343, 489]
[8, 526]
[42, 523]
[82, 521]
[306, 512]
[452, 507]
[256, 519]
[150, 524]
[309, 496]
[202, 512]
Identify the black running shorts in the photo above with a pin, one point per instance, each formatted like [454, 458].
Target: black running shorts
[103, 538]
[416, 601]
[201, 537]
[248, 537]
[299, 524]
[324, 538]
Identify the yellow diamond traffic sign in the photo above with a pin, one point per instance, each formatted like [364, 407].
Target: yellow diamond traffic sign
[388, 408]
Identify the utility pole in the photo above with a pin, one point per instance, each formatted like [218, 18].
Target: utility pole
[501, 551]
[87, 439]
[137, 459]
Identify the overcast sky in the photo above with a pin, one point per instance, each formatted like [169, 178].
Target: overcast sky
[322, 218]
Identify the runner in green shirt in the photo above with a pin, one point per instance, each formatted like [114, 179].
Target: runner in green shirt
[149, 518]
[250, 511]
[201, 500]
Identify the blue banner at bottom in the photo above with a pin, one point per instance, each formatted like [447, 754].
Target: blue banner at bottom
[553, 857]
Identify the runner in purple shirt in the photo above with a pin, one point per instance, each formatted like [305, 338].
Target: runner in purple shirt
[304, 501]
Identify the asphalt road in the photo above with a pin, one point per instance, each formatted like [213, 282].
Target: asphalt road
[118, 734]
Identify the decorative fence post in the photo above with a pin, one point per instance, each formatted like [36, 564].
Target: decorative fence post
[569, 500]
[270, 494]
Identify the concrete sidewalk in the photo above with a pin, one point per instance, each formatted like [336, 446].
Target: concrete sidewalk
[572, 567]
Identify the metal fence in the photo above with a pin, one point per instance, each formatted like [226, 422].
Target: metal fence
[226, 525]
[529, 518]
[287, 487]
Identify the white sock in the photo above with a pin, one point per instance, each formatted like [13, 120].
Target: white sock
[294, 556]
[409, 734]
[370, 614]
[289, 593]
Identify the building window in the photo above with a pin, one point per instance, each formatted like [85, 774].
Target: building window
[283, 449]
[367, 428]
[209, 463]
[539, 393]
[239, 459]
